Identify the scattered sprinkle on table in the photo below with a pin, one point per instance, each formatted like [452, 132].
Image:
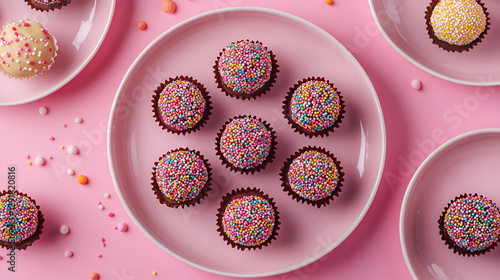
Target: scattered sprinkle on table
[64, 229]
[64, 125]
[142, 25]
[51, 138]
[168, 6]
[42, 111]
[62, 147]
[40, 160]
[82, 180]
[101, 207]
[68, 254]
[123, 227]
[27, 156]
[111, 214]
[107, 195]
[154, 273]
[99, 255]
[70, 172]
[329, 2]
[416, 84]
[72, 150]
[94, 276]
[78, 120]
[29, 162]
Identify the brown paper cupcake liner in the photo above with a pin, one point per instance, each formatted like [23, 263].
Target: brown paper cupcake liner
[239, 95]
[300, 129]
[174, 204]
[446, 238]
[29, 241]
[270, 157]
[46, 8]
[240, 192]
[56, 49]
[197, 126]
[288, 189]
[445, 45]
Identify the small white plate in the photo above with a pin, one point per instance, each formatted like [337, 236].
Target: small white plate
[469, 163]
[79, 29]
[403, 25]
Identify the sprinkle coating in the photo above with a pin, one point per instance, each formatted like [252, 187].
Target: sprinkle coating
[245, 142]
[458, 22]
[181, 104]
[249, 220]
[315, 105]
[472, 222]
[181, 175]
[48, 2]
[313, 175]
[245, 66]
[18, 217]
[26, 49]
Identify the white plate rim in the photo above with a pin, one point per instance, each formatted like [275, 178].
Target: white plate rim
[77, 70]
[419, 65]
[417, 175]
[277, 13]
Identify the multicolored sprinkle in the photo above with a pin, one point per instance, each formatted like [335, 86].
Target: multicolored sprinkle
[18, 217]
[245, 142]
[458, 22]
[181, 175]
[26, 49]
[249, 220]
[472, 222]
[315, 105]
[181, 104]
[245, 66]
[48, 2]
[313, 175]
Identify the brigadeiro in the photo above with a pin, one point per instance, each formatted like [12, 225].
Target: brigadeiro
[21, 221]
[181, 105]
[456, 25]
[314, 107]
[248, 219]
[246, 144]
[181, 177]
[245, 69]
[470, 225]
[312, 175]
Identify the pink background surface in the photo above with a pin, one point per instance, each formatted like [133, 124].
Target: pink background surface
[416, 122]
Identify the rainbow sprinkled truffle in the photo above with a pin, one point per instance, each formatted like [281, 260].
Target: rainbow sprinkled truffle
[456, 25]
[245, 69]
[47, 5]
[21, 221]
[181, 178]
[470, 225]
[312, 175]
[248, 219]
[26, 49]
[314, 107]
[181, 105]
[246, 144]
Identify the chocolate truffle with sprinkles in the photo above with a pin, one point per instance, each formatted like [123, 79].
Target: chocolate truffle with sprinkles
[47, 5]
[182, 177]
[314, 107]
[248, 219]
[181, 105]
[21, 221]
[312, 175]
[246, 144]
[245, 69]
[470, 225]
[456, 25]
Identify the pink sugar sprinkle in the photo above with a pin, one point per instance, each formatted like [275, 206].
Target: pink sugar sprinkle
[102, 239]
[111, 214]
[98, 203]
[51, 138]
[27, 156]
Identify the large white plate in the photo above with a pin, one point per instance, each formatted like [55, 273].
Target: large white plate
[468, 163]
[135, 141]
[79, 29]
[403, 25]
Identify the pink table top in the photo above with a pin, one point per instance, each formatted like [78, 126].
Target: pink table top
[417, 122]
